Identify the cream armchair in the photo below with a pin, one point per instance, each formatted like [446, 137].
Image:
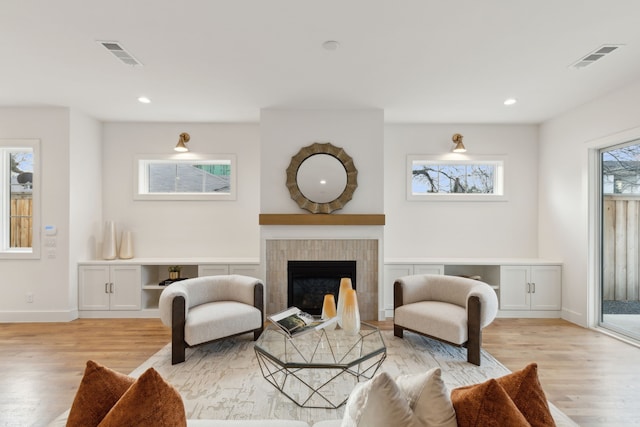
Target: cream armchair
[449, 308]
[209, 308]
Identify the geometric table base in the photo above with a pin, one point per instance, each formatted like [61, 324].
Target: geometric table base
[327, 377]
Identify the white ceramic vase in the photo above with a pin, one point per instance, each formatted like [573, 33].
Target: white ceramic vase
[126, 245]
[109, 245]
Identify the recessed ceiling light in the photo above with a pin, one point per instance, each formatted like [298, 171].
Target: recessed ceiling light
[510, 101]
[330, 45]
[144, 100]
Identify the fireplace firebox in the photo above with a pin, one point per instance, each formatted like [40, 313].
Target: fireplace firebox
[309, 281]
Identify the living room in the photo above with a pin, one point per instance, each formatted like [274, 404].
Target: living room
[87, 168]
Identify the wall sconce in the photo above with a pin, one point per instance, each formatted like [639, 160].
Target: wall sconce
[181, 147]
[457, 139]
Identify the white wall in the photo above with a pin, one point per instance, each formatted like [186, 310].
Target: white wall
[359, 132]
[85, 195]
[454, 228]
[47, 278]
[183, 228]
[564, 227]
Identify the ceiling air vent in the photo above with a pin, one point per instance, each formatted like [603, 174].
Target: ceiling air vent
[119, 52]
[594, 56]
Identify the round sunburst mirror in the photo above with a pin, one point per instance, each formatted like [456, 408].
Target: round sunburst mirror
[321, 178]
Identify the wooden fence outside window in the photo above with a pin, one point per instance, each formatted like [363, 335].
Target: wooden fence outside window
[21, 221]
[621, 248]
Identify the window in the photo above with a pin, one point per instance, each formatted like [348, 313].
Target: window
[621, 170]
[435, 178]
[19, 175]
[177, 177]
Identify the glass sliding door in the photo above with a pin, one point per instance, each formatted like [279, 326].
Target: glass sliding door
[619, 239]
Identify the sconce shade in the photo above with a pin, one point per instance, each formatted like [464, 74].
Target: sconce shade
[457, 139]
[181, 147]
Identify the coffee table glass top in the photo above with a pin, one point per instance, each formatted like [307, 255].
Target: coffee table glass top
[321, 348]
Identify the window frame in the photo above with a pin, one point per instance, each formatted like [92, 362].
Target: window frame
[7, 252]
[499, 161]
[141, 180]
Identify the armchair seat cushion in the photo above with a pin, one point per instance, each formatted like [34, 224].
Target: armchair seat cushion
[435, 318]
[215, 320]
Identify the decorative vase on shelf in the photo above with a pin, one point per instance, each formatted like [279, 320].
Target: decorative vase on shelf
[329, 310]
[351, 313]
[345, 285]
[126, 245]
[174, 272]
[109, 246]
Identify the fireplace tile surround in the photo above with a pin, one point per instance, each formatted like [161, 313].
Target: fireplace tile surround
[363, 251]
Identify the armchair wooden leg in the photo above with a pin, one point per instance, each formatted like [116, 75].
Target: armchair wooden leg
[398, 301]
[257, 333]
[474, 331]
[398, 331]
[178, 344]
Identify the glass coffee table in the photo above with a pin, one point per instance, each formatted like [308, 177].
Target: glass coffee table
[319, 369]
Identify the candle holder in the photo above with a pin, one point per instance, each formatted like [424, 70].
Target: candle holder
[345, 285]
[351, 313]
[329, 310]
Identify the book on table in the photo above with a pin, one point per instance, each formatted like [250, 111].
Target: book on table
[294, 321]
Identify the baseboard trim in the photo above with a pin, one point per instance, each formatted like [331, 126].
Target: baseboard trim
[48, 316]
[528, 314]
[120, 314]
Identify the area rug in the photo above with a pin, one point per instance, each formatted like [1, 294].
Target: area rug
[223, 380]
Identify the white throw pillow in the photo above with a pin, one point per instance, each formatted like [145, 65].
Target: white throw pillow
[428, 398]
[378, 403]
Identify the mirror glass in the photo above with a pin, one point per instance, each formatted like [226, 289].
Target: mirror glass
[321, 178]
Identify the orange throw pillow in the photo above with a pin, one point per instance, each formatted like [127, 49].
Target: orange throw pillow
[100, 388]
[486, 405]
[150, 401]
[524, 388]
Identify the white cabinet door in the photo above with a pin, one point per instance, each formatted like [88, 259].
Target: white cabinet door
[93, 287]
[546, 287]
[514, 288]
[531, 287]
[213, 270]
[126, 292]
[391, 273]
[428, 269]
[103, 287]
[251, 270]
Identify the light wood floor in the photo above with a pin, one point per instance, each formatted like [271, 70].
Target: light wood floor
[593, 378]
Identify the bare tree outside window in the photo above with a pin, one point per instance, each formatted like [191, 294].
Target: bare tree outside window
[470, 179]
[621, 170]
[441, 178]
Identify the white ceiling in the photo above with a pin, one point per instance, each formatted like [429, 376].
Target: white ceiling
[223, 61]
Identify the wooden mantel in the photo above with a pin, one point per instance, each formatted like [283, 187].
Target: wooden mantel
[321, 219]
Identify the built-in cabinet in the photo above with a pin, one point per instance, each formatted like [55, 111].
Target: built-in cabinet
[108, 288]
[525, 288]
[530, 287]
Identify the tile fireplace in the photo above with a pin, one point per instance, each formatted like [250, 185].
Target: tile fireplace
[364, 252]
